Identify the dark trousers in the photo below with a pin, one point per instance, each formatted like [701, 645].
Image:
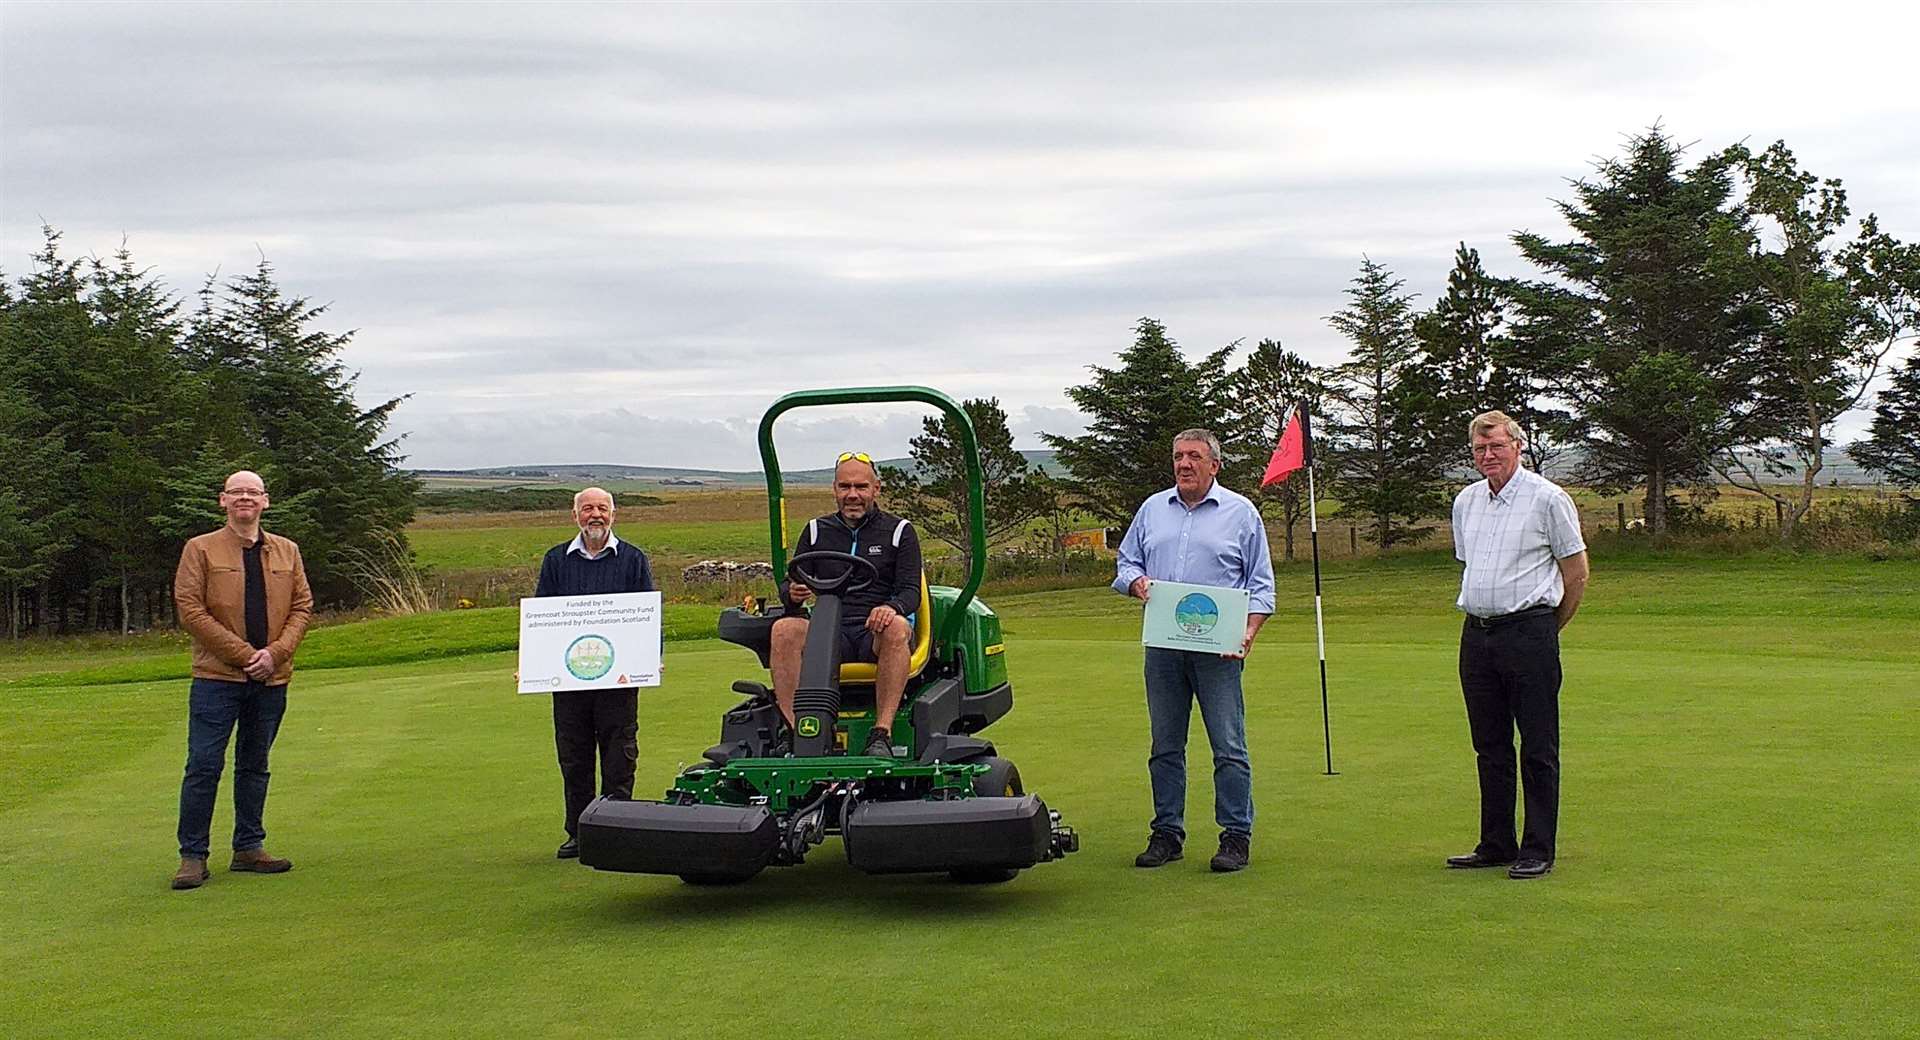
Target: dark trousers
[215, 709]
[1510, 675]
[588, 720]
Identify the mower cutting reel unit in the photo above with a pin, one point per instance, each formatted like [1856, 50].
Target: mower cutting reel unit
[945, 801]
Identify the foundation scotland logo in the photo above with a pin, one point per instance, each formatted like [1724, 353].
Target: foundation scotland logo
[1196, 614]
[590, 657]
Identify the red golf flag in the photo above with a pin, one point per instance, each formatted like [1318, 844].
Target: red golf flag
[1290, 454]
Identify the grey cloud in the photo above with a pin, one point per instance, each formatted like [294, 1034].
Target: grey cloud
[688, 210]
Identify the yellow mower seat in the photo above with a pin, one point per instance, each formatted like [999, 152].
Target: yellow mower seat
[866, 674]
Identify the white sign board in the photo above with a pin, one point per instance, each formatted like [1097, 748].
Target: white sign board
[589, 642]
[1194, 617]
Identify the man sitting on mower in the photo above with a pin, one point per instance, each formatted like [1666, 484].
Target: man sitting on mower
[874, 625]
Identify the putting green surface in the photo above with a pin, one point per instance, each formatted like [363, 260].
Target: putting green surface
[1741, 773]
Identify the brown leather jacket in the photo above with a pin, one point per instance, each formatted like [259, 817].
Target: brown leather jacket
[210, 589]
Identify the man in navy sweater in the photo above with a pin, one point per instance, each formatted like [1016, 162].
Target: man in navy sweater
[594, 563]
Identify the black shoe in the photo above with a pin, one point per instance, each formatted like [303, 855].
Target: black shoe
[1235, 850]
[879, 743]
[1475, 861]
[1530, 868]
[1162, 848]
[569, 849]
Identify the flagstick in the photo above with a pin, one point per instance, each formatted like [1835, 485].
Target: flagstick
[1319, 623]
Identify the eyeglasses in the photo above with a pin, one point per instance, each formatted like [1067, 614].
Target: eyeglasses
[244, 492]
[860, 456]
[1491, 447]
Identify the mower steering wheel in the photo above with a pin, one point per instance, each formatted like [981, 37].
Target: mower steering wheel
[856, 572]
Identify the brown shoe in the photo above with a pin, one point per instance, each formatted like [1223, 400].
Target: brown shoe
[192, 873]
[256, 861]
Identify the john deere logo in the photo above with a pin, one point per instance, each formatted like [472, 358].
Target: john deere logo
[1196, 614]
[809, 726]
[590, 657]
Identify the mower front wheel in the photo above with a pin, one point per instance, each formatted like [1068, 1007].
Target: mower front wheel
[714, 880]
[1001, 780]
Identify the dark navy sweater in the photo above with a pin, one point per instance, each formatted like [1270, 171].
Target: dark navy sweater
[624, 570]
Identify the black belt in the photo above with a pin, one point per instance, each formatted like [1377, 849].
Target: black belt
[1502, 619]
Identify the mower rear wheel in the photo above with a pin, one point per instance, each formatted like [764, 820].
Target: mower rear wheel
[1001, 780]
[982, 875]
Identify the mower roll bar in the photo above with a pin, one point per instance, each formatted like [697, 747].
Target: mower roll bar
[976, 478]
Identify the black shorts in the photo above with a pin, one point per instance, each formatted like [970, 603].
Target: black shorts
[856, 644]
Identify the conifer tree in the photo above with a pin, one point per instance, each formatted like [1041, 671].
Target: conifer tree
[335, 482]
[1648, 323]
[936, 496]
[1892, 444]
[1467, 354]
[1388, 468]
[1134, 412]
[1271, 381]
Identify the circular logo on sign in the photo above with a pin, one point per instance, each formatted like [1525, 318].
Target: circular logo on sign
[809, 726]
[590, 657]
[1196, 614]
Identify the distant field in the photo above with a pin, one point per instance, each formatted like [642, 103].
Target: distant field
[513, 545]
[731, 524]
[1738, 762]
[485, 556]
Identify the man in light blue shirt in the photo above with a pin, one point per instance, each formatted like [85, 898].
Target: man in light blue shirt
[1203, 534]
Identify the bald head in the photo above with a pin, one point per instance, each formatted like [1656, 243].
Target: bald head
[244, 497]
[244, 479]
[856, 488]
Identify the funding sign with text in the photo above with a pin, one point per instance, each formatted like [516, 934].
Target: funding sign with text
[589, 642]
[1194, 617]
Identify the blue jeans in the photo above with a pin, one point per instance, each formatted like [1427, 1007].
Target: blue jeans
[215, 708]
[1175, 679]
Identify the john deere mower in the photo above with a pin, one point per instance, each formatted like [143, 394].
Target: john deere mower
[946, 801]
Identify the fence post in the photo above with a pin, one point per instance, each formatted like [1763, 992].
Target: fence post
[1779, 514]
[1353, 540]
[1620, 511]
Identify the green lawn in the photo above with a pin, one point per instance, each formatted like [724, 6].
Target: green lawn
[419, 637]
[1736, 854]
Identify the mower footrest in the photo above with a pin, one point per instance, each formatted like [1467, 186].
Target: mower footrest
[661, 838]
[963, 834]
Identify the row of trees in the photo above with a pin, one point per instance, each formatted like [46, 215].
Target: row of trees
[121, 418]
[1703, 325]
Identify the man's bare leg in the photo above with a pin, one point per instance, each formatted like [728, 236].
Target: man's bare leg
[890, 685]
[789, 641]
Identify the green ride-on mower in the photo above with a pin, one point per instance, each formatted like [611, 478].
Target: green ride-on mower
[944, 802]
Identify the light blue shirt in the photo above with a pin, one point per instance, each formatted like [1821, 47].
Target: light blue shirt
[1221, 542]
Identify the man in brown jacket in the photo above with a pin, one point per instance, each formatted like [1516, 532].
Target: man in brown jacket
[243, 595]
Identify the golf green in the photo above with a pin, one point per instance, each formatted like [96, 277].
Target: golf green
[1736, 846]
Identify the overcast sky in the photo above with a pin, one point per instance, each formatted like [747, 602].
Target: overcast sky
[614, 233]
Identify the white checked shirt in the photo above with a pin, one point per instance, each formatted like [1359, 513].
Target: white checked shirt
[1511, 543]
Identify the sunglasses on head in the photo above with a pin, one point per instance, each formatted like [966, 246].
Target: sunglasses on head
[858, 455]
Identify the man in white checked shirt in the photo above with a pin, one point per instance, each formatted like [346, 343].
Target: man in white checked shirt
[1526, 569]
